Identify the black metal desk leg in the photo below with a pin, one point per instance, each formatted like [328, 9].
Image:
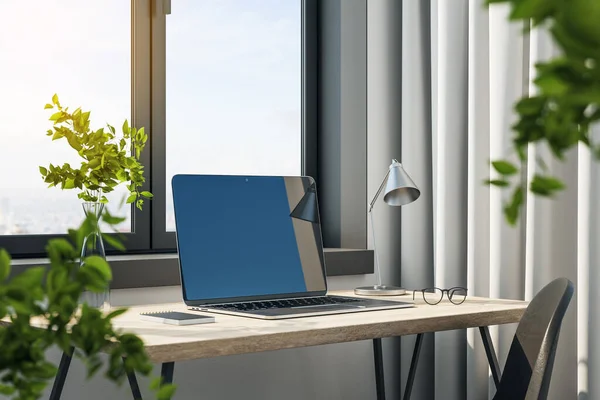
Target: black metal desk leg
[166, 372]
[491, 354]
[413, 367]
[379, 381]
[133, 384]
[61, 376]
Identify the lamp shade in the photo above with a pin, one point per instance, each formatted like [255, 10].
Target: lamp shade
[307, 208]
[400, 188]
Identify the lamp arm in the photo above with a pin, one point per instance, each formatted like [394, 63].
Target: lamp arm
[379, 190]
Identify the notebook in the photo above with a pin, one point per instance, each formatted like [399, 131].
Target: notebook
[177, 318]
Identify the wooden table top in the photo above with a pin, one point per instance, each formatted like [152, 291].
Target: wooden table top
[238, 335]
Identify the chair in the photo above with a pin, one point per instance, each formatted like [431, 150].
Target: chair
[528, 368]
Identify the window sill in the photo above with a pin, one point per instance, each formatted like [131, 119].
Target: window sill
[151, 270]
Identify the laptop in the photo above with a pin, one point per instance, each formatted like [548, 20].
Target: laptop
[251, 246]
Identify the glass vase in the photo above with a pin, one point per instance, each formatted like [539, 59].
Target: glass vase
[93, 245]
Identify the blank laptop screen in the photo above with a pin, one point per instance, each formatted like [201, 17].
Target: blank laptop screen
[245, 236]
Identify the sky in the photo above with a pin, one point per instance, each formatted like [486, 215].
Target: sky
[233, 85]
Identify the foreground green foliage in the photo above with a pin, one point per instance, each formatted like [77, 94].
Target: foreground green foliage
[567, 102]
[52, 294]
[108, 160]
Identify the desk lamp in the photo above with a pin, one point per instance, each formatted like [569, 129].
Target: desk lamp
[399, 190]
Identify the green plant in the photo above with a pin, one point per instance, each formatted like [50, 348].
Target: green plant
[108, 160]
[567, 102]
[51, 295]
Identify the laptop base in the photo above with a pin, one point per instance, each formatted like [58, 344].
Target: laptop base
[309, 311]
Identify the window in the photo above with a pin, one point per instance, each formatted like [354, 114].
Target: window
[218, 85]
[233, 89]
[41, 57]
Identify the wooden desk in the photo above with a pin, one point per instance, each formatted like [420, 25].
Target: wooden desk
[238, 335]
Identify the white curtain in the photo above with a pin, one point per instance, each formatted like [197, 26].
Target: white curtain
[463, 67]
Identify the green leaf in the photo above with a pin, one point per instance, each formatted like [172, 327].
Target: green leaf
[55, 99]
[111, 219]
[37, 386]
[56, 279]
[531, 105]
[7, 389]
[504, 167]
[166, 392]
[546, 185]
[116, 313]
[93, 365]
[131, 198]
[122, 175]
[47, 106]
[94, 164]
[30, 278]
[584, 96]
[497, 182]
[125, 127]
[114, 242]
[99, 264]
[155, 383]
[63, 246]
[43, 171]
[60, 249]
[4, 264]
[147, 194]
[56, 116]
[551, 85]
[46, 370]
[69, 184]
[534, 9]
[72, 139]
[92, 280]
[512, 209]
[16, 294]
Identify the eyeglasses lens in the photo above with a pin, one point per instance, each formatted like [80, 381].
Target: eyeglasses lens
[432, 295]
[457, 295]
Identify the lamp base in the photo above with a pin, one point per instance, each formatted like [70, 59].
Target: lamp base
[379, 290]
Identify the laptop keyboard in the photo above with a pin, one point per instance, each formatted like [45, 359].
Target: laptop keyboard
[287, 303]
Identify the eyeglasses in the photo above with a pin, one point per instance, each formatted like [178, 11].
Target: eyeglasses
[457, 295]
